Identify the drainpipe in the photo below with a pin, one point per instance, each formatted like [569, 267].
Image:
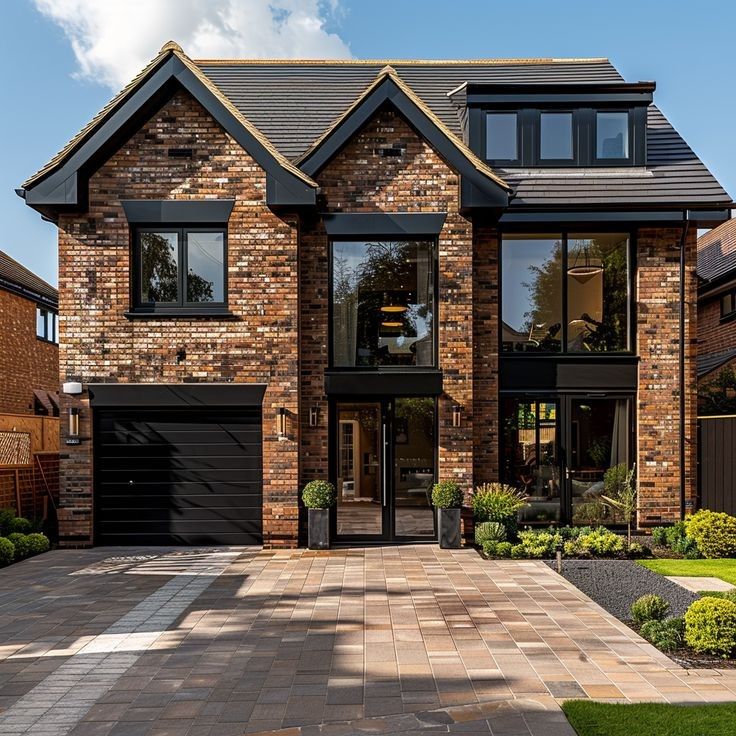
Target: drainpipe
[683, 240]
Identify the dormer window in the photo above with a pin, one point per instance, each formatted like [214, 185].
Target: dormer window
[612, 135]
[502, 136]
[555, 136]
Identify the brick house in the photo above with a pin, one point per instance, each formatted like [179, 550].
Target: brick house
[716, 301]
[29, 353]
[380, 273]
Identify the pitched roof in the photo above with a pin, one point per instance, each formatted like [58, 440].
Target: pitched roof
[708, 363]
[18, 278]
[717, 252]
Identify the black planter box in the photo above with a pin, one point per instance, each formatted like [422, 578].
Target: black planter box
[448, 526]
[319, 529]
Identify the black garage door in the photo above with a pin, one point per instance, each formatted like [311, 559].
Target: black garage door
[178, 476]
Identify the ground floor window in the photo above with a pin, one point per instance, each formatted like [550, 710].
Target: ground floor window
[559, 449]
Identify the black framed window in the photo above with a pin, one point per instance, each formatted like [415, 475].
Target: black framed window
[383, 298]
[728, 305]
[556, 136]
[612, 135]
[180, 268]
[502, 136]
[565, 292]
[46, 325]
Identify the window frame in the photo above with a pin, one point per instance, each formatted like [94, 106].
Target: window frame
[574, 123]
[565, 233]
[626, 161]
[50, 318]
[181, 305]
[433, 240]
[728, 316]
[519, 136]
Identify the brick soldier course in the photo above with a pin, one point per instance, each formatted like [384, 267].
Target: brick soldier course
[278, 331]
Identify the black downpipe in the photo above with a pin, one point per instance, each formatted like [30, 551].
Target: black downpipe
[682, 367]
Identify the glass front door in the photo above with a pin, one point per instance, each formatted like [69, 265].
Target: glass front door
[384, 465]
[558, 450]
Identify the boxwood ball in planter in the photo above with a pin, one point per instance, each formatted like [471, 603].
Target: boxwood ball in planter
[319, 497]
[447, 498]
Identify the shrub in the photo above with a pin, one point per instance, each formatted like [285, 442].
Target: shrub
[637, 550]
[319, 494]
[649, 607]
[6, 519]
[621, 493]
[503, 549]
[713, 532]
[489, 547]
[659, 536]
[710, 626]
[518, 552]
[729, 595]
[20, 542]
[447, 495]
[600, 542]
[489, 531]
[666, 635]
[7, 551]
[539, 543]
[37, 544]
[20, 525]
[498, 502]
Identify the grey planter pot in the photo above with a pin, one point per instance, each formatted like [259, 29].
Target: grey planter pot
[319, 529]
[448, 526]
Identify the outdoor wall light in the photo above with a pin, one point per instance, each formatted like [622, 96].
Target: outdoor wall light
[313, 416]
[456, 415]
[73, 426]
[281, 423]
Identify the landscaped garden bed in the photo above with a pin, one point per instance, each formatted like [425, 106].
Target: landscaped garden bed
[19, 538]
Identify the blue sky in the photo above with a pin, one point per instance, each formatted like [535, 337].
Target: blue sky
[686, 47]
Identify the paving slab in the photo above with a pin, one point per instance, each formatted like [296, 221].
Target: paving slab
[238, 641]
[696, 584]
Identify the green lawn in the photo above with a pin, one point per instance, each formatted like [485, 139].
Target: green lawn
[651, 719]
[724, 569]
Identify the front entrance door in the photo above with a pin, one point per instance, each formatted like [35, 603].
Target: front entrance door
[384, 466]
[558, 449]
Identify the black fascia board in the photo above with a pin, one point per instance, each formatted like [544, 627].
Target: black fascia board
[593, 215]
[717, 285]
[32, 296]
[639, 93]
[384, 224]
[389, 93]
[65, 187]
[182, 211]
[708, 218]
[176, 395]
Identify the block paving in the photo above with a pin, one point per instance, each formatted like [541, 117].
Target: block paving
[229, 641]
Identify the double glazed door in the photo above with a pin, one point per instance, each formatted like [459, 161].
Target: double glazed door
[384, 467]
[558, 449]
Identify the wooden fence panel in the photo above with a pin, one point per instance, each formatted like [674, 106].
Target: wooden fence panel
[717, 463]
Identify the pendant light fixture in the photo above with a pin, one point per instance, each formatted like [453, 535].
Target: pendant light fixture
[391, 306]
[583, 272]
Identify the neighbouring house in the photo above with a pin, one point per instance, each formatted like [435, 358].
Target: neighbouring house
[378, 273]
[717, 319]
[29, 351]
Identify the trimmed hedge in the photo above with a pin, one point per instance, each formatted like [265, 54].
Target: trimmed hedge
[7, 551]
[649, 607]
[714, 533]
[319, 494]
[710, 626]
[447, 495]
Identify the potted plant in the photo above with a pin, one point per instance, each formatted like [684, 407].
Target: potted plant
[447, 498]
[319, 497]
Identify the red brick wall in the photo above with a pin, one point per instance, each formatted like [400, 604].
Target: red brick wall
[714, 337]
[25, 361]
[260, 345]
[360, 179]
[658, 314]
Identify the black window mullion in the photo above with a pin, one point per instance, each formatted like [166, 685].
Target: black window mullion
[563, 309]
[182, 267]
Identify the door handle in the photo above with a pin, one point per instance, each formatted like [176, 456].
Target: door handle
[384, 455]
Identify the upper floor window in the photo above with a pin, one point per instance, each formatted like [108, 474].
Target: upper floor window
[502, 142]
[728, 305]
[565, 293]
[383, 303]
[612, 135]
[179, 268]
[46, 325]
[555, 136]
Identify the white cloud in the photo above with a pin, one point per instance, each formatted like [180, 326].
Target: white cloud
[114, 39]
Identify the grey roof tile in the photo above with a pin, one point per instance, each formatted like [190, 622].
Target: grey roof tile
[717, 251]
[17, 275]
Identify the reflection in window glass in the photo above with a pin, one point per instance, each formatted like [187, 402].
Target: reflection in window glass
[383, 303]
[597, 293]
[205, 266]
[501, 132]
[159, 267]
[555, 135]
[531, 289]
[612, 135]
[41, 315]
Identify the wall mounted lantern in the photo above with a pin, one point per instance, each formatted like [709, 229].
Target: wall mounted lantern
[456, 415]
[73, 426]
[313, 416]
[281, 422]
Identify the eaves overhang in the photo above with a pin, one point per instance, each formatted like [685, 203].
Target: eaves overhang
[480, 186]
[61, 186]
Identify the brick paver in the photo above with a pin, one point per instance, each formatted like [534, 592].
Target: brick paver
[388, 640]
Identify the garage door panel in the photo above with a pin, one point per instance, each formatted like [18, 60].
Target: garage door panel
[180, 476]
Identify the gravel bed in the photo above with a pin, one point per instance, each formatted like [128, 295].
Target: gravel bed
[616, 584]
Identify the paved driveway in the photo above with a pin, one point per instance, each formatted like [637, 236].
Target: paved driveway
[389, 640]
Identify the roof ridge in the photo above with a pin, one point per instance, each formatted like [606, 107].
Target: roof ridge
[407, 62]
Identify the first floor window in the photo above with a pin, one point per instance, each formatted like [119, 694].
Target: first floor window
[46, 324]
[728, 304]
[180, 267]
